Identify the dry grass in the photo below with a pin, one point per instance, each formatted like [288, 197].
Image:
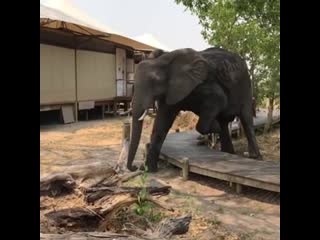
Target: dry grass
[269, 145]
[100, 140]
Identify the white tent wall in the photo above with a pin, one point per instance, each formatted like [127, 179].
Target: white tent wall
[95, 75]
[57, 75]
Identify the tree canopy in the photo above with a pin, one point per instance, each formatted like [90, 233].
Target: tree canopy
[250, 28]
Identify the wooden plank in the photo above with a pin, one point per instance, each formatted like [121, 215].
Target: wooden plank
[185, 168]
[129, 89]
[121, 87]
[49, 108]
[121, 63]
[83, 105]
[226, 177]
[238, 188]
[67, 114]
[95, 75]
[228, 163]
[205, 161]
[130, 65]
[130, 77]
[258, 122]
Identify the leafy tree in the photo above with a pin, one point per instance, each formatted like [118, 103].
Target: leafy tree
[250, 28]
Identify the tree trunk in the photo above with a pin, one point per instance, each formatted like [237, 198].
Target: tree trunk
[268, 125]
[94, 194]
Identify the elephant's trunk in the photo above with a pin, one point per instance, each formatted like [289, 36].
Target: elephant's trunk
[139, 111]
[134, 142]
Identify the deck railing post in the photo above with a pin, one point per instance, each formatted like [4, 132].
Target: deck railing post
[126, 130]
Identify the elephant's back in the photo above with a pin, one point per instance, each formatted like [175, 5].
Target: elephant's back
[226, 67]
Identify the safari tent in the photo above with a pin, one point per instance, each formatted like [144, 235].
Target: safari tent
[81, 67]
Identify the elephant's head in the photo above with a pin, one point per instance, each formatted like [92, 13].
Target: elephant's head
[167, 77]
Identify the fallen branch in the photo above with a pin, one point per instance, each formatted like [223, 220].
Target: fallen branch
[94, 194]
[87, 236]
[109, 203]
[126, 177]
[87, 171]
[160, 204]
[75, 218]
[56, 184]
[85, 176]
[118, 179]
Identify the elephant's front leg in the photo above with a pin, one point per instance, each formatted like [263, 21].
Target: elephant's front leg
[164, 120]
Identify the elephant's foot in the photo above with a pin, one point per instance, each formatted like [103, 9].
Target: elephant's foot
[132, 168]
[200, 137]
[256, 157]
[228, 150]
[202, 142]
[152, 166]
[253, 156]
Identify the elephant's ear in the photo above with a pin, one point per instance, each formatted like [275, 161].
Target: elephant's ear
[187, 71]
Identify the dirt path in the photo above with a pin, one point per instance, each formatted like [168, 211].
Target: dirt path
[251, 215]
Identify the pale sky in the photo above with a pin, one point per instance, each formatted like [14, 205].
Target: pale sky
[168, 22]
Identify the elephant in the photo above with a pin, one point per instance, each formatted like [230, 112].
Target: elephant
[213, 83]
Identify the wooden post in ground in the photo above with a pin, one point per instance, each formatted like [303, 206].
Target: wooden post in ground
[126, 130]
[238, 188]
[125, 145]
[76, 112]
[115, 107]
[87, 115]
[185, 169]
[103, 109]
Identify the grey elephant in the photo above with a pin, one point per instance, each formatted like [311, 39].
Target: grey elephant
[214, 84]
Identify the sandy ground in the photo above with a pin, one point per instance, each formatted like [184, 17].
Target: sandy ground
[218, 213]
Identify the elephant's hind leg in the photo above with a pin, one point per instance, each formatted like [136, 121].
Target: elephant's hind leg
[225, 138]
[246, 119]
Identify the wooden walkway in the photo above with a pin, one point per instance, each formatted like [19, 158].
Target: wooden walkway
[258, 121]
[181, 150]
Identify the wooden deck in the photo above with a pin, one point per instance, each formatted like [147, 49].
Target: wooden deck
[259, 121]
[181, 150]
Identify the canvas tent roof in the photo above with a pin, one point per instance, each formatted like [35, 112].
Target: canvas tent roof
[149, 39]
[55, 19]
